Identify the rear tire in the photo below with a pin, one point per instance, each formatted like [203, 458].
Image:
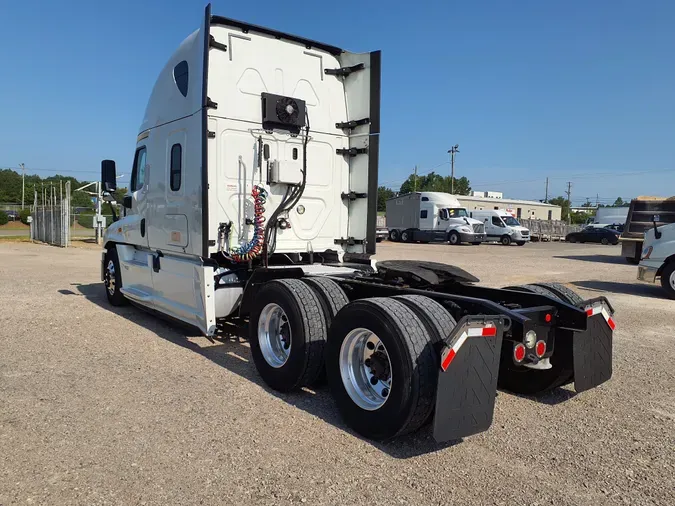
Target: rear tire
[394, 235]
[668, 279]
[505, 240]
[112, 279]
[524, 381]
[332, 299]
[605, 241]
[573, 240]
[407, 359]
[287, 343]
[454, 238]
[565, 294]
[406, 236]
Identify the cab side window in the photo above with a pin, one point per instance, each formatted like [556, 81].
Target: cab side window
[497, 222]
[138, 171]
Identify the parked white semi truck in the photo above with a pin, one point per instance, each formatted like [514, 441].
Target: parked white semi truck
[431, 216]
[657, 260]
[253, 204]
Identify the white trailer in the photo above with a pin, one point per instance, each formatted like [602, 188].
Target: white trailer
[431, 216]
[253, 204]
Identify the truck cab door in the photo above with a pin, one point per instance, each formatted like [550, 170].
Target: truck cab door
[136, 200]
[135, 258]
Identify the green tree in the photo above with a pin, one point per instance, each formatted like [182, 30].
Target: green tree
[618, 202]
[562, 202]
[3, 218]
[433, 182]
[383, 194]
[587, 204]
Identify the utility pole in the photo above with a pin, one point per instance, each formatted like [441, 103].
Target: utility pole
[415, 184]
[22, 166]
[454, 149]
[597, 200]
[546, 197]
[569, 203]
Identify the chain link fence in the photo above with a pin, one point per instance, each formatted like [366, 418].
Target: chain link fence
[545, 230]
[51, 215]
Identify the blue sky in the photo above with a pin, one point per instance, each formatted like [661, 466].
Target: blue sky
[576, 91]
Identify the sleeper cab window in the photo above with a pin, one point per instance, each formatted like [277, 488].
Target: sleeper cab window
[423, 214]
[181, 77]
[176, 167]
[138, 170]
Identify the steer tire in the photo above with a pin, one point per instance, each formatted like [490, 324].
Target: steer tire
[116, 298]
[505, 240]
[565, 294]
[412, 364]
[307, 325]
[332, 299]
[520, 243]
[666, 274]
[454, 238]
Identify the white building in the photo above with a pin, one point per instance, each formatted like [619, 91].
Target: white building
[488, 195]
[523, 209]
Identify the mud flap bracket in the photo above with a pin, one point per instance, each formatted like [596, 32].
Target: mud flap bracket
[467, 381]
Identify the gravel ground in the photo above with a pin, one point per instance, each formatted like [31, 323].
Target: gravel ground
[113, 406]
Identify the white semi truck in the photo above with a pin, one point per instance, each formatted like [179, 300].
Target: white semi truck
[253, 204]
[657, 260]
[431, 216]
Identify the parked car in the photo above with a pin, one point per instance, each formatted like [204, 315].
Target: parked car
[594, 234]
[12, 215]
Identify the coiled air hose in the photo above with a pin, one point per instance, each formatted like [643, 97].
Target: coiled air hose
[254, 247]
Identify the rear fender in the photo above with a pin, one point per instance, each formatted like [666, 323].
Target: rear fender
[467, 380]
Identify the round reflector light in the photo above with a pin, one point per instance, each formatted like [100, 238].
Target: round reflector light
[519, 352]
[540, 349]
[548, 318]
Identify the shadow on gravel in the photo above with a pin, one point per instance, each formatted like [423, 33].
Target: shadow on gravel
[230, 351]
[605, 259]
[637, 288]
[552, 398]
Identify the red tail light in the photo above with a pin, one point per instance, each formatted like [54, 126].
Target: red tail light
[540, 349]
[519, 352]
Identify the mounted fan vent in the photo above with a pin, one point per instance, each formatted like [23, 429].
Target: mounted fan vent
[282, 113]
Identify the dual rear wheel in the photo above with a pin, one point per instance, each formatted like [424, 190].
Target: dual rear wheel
[380, 354]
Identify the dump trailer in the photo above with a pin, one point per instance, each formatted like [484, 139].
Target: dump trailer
[639, 220]
[253, 204]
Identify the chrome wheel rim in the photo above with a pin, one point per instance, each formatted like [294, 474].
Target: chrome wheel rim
[110, 277]
[274, 335]
[365, 369]
[672, 280]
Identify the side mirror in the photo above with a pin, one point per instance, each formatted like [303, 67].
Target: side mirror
[126, 202]
[108, 175]
[656, 218]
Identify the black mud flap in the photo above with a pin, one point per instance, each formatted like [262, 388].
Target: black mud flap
[592, 348]
[467, 380]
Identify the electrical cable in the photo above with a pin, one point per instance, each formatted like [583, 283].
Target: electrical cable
[253, 248]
